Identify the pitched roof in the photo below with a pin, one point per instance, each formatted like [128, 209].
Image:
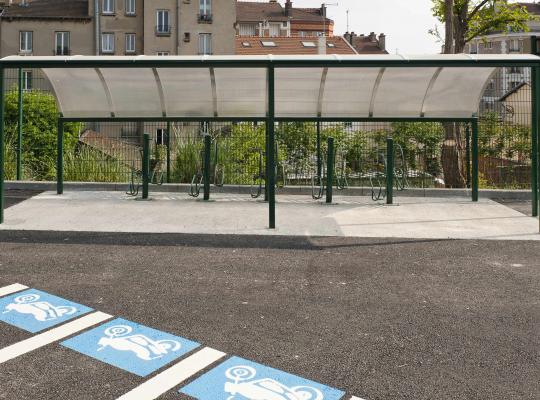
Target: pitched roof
[514, 90]
[364, 45]
[49, 9]
[247, 11]
[290, 46]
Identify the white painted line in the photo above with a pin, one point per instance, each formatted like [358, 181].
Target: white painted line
[16, 287]
[175, 375]
[53, 335]
[356, 398]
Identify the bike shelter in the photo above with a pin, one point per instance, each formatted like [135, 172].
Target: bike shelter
[273, 90]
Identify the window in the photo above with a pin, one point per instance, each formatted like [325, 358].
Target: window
[205, 43]
[162, 53]
[107, 42]
[489, 45]
[163, 27]
[187, 37]
[108, 6]
[309, 44]
[130, 7]
[130, 42]
[275, 30]
[514, 45]
[205, 10]
[160, 136]
[474, 48]
[247, 29]
[26, 42]
[514, 85]
[515, 70]
[27, 80]
[62, 44]
[267, 43]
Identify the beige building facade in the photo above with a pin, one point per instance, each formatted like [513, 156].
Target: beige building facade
[118, 27]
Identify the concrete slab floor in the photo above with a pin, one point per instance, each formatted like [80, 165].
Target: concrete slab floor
[455, 218]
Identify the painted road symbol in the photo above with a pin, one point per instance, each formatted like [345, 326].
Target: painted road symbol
[239, 379]
[132, 347]
[33, 310]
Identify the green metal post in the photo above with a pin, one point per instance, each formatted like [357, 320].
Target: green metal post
[146, 165]
[60, 158]
[389, 171]
[2, 112]
[468, 154]
[206, 170]
[270, 156]
[330, 170]
[535, 113]
[266, 166]
[20, 126]
[319, 155]
[475, 160]
[168, 144]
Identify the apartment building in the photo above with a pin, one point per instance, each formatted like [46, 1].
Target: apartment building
[506, 81]
[271, 19]
[117, 27]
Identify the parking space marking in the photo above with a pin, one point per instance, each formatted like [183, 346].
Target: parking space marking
[130, 346]
[10, 289]
[35, 311]
[238, 378]
[51, 336]
[174, 376]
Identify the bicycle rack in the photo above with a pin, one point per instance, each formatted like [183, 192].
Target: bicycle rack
[198, 178]
[400, 173]
[341, 177]
[380, 193]
[135, 179]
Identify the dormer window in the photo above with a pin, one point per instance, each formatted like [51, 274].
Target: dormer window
[266, 43]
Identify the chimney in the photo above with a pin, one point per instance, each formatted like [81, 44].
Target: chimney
[372, 37]
[323, 10]
[288, 8]
[382, 41]
[322, 45]
[352, 35]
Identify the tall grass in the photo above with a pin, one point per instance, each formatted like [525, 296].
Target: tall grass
[89, 165]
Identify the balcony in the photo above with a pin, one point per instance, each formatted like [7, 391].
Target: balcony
[163, 30]
[204, 18]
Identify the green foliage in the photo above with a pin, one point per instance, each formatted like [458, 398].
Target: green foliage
[503, 140]
[39, 132]
[10, 160]
[85, 164]
[476, 18]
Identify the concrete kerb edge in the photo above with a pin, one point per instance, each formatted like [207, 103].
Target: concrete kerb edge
[233, 189]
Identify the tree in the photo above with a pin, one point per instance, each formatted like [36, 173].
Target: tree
[477, 18]
[465, 20]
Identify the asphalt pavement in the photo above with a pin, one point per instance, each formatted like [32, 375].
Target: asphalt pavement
[377, 318]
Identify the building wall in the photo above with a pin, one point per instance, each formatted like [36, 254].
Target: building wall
[120, 24]
[44, 36]
[222, 27]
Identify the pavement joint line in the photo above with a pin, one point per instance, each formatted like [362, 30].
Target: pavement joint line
[35, 342]
[10, 289]
[175, 375]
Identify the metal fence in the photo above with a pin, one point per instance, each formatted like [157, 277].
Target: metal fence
[426, 154]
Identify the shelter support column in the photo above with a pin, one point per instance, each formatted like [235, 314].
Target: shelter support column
[60, 158]
[20, 126]
[206, 169]
[535, 113]
[475, 166]
[168, 144]
[389, 171]
[319, 154]
[330, 170]
[2, 168]
[271, 147]
[146, 165]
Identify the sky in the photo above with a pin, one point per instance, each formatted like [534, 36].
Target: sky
[405, 22]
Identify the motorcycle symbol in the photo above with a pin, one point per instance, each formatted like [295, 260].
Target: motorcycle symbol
[41, 310]
[144, 348]
[264, 389]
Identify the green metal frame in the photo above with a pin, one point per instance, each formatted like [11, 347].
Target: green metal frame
[20, 126]
[270, 120]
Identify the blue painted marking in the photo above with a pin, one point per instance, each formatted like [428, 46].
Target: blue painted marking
[130, 346]
[34, 310]
[239, 379]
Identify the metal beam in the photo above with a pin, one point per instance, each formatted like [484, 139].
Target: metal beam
[2, 161]
[60, 158]
[20, 125]
[475, 154]
[160, 91]
[270, 157]
[535, 114]
[106, 90]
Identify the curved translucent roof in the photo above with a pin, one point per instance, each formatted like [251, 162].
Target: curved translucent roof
[392, 86]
